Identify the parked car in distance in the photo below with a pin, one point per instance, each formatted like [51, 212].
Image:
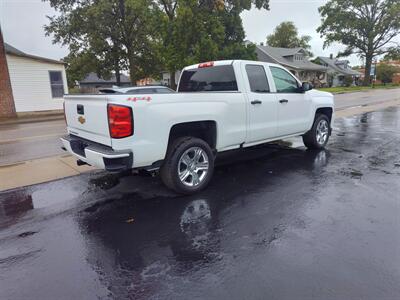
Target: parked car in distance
[219, 106]
[146, 89]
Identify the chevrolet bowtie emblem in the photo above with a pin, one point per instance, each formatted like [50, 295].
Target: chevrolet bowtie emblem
[81, 120]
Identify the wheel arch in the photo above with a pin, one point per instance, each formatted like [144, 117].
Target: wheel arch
[205, 130]
[328, 111]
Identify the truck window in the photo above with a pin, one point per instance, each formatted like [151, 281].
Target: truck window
[257, 79]
[284, 81]
[211, 79]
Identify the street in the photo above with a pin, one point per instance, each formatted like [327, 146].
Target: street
[277, 222]
[35, 140]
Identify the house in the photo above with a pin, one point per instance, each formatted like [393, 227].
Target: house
[30, 82]
[294, 59]
[338, 70]
[91, 83]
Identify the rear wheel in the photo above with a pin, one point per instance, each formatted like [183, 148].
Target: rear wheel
[318, 136]
[189, 165]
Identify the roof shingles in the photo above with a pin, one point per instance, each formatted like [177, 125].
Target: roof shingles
[280, 56]
[334, 65]
[14, 51]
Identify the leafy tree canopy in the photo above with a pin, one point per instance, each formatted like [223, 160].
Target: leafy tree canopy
[393, 54]
[194, 31]
[286, 35]
[148, 36]
[366, 27]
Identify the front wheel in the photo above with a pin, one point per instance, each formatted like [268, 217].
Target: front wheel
[189, 165]
[318, 136]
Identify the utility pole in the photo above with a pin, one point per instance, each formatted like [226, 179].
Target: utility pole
[7, 105]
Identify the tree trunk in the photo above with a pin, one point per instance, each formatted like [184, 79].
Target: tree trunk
[172, 82]
[368, 64]
[117, 74]
[132, 71]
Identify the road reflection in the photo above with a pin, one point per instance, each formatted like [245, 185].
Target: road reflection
[137, 244]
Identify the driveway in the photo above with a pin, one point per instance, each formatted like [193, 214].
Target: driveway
[277, 222]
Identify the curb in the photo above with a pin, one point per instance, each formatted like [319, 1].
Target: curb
[32, 120]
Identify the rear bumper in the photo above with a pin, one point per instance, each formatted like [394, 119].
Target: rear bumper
[97, 155]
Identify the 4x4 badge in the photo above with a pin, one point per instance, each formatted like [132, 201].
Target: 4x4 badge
[81, 120]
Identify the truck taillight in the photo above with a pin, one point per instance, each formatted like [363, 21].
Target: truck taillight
[206, 64]
[120, 121]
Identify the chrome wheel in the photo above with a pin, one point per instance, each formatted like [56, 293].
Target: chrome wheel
[193, 166]
[322, 132]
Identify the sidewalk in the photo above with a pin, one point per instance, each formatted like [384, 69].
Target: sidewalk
[47, 169]
[39, 171]
[33, 117]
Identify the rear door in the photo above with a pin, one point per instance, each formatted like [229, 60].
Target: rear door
[87, 117]
[262, 105]
[293, 105]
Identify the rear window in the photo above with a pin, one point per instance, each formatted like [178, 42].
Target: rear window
[212, 79]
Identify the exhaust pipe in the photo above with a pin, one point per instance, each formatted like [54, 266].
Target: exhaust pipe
[81, 163]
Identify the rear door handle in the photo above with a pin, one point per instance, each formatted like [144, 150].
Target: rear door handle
[256, 102]
[283, 101]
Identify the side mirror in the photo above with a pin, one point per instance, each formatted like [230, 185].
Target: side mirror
[306, 86]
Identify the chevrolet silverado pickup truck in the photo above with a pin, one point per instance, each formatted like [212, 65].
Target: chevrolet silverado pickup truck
[219, 106]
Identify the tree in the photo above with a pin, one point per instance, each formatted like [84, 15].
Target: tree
[392, 54]
[79, 65]
[286, 35]
[365, 27]
[111, 34]
[385, 73]
[152, 35]
[196, 31]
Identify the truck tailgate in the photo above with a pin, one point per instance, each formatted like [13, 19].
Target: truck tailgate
[87, 117]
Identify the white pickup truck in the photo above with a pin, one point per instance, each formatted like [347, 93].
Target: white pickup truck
[218, 106]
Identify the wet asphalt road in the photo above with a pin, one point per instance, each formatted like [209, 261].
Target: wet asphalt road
[21, 142]
[277, 222]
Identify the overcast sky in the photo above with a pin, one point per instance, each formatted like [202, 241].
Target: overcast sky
[22, 25]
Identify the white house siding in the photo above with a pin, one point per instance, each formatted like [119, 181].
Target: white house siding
[30, 82]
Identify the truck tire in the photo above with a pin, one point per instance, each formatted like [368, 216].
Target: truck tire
[317, 137]
[188, 166]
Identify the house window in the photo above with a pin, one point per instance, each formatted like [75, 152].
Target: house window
[56, 84]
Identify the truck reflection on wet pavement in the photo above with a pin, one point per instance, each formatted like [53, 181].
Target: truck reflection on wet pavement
[277, 222]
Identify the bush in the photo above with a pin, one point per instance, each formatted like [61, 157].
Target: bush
[348, 81]
[385, 73]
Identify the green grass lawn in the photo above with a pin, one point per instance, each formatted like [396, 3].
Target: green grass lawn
[342, 89]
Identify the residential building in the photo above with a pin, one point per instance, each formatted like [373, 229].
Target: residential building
[37, 83]
[338, 70]
[296, 60]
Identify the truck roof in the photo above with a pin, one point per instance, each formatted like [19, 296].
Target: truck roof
[224, 63]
